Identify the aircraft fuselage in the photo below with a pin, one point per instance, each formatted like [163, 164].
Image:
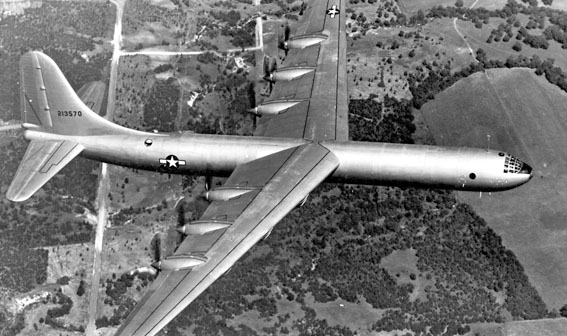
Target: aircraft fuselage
[360, 162]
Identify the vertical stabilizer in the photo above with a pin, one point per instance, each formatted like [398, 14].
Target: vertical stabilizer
[50, 105]
[49, 101]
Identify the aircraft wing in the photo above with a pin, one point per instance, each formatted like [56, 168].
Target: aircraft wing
[273, 186]
[92, 94]
[322, 110]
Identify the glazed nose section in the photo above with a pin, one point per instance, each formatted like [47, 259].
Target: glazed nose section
[526, 169]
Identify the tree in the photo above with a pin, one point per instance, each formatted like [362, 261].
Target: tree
[517, 46]
[563, 311]
[81, 288]
[459, 3]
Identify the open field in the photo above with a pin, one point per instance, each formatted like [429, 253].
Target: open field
[205, 24]
[523, 114]
[410, 7]
[545, 327]
[371, 59]
[501, 50]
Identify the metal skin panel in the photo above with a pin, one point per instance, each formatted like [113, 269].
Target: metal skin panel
[42, 160]
[328, 112]
[304, 41]
[42, 82]
[325, 117]
[202, 227]
[179, 262]
[359, 162]
[92, 94]
[289, 74]
[301, 170]
[274, 107]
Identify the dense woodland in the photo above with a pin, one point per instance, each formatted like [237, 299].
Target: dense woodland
[162, 105]
[63, 31]
[45, 220]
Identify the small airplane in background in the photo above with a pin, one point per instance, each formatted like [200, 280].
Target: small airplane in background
[301, 140]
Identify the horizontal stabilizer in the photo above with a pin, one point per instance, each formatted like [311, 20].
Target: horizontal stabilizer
[42, 160]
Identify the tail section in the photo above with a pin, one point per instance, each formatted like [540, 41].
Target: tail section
[42, 160]
[50, 103]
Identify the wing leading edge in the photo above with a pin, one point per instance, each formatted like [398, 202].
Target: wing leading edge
[275, 184]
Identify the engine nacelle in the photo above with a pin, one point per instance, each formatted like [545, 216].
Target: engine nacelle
[303, 41]
[202, 227]
[274, 107]
[225, 194]
[179, 262]
[288, 74]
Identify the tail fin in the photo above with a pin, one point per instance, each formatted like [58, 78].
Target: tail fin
[49, 101]
[49, 104]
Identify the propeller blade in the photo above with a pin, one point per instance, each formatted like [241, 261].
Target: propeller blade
[267, 66]
[287, 31]
[273, 65]
[251, 94]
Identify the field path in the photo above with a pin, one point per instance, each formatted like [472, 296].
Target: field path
[471, 51]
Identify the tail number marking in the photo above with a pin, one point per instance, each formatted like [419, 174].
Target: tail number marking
[69, 113]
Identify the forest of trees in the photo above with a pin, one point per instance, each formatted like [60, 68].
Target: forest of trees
[162, 105]
[40, 29]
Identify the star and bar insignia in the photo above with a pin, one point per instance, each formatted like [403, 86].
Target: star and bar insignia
[171, 162]
[333, 11]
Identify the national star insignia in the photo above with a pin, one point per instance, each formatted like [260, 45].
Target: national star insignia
[171, 161]
[333, 11]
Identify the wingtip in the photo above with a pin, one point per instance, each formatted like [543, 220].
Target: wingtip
[16, 196]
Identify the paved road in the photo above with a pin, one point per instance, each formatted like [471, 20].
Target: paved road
[103, 189]
[10, 127]
[104, 183]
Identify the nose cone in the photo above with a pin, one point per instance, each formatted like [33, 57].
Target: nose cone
[526, 169]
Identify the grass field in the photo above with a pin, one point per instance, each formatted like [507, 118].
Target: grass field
[502, 50]
[546, 327]
[523, 114]
[410, 7]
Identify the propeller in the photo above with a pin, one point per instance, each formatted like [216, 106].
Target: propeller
[284, 37]
[181, 221]
[270, 65]
[208, 184]
[156, 247]
[251, 92]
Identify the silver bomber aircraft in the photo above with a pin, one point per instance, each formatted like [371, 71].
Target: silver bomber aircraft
[301, 141]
